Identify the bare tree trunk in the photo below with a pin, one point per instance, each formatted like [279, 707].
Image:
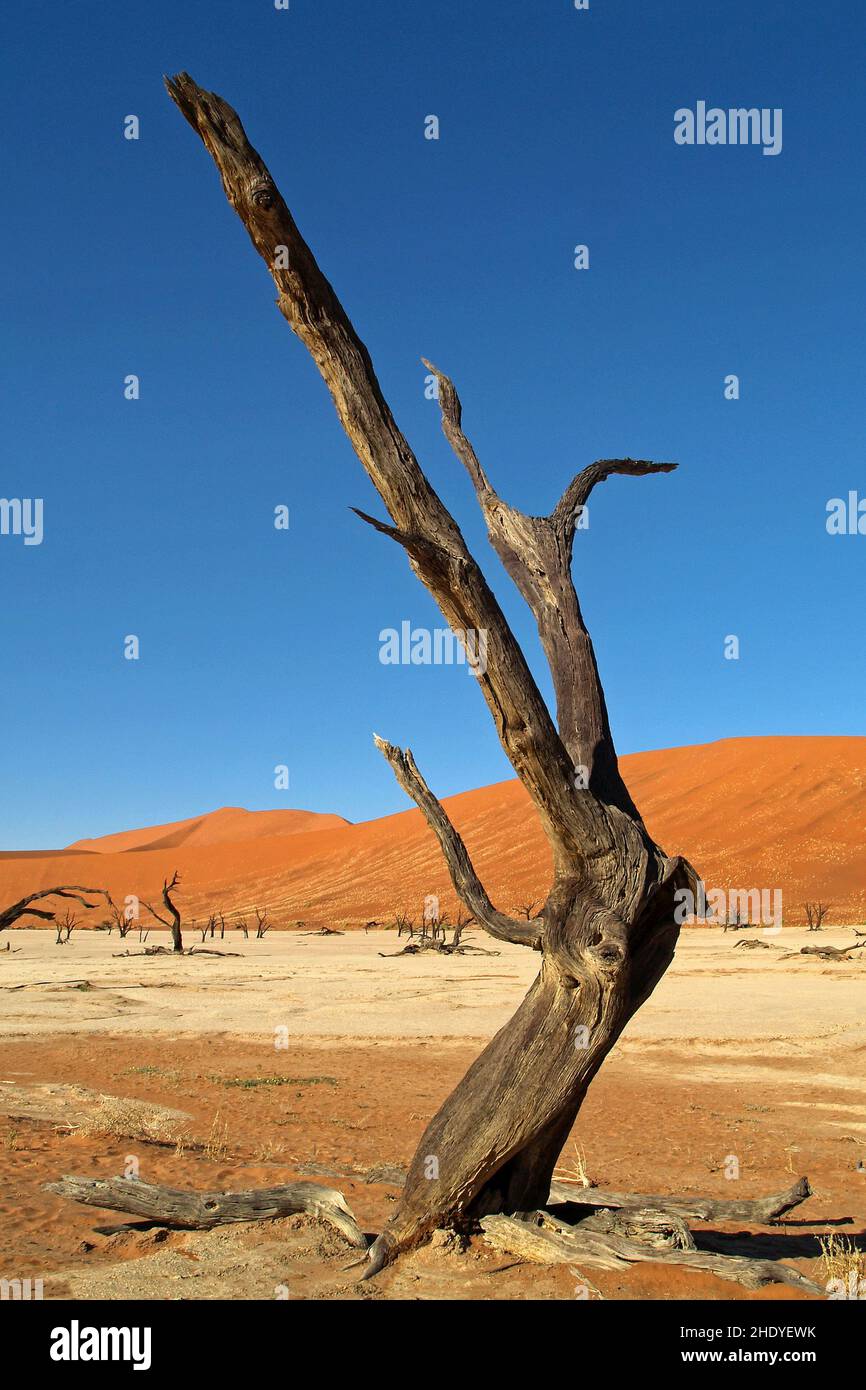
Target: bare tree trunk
[174, 919]
[607, 930]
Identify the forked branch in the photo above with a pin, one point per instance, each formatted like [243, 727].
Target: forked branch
[537, 553]
[467, 884]
[439, 554]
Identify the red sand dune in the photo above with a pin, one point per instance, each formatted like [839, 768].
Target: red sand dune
[229, 825]
[785, 813]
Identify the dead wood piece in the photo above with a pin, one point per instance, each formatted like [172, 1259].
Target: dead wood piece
[441, 948]
[35, 984]
[556, 1243]
[753, 943]
[206, 951]
[757, 1210]
[203, 1210]
[829, 952]
[663, 1230]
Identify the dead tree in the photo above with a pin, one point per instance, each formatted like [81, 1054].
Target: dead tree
[121, 917]
[404, 923]
[815, 914]
[607, 930]
[67, 890]
[173, 920]
[526, 910]
[65, 926]
[263, 923]
[462, 921]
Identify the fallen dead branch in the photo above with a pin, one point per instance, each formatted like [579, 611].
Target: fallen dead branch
[654, 1236]
[827, 952]
[441, 948]
[209, 951]
[164, 951]
[202, 1210]
[752, 943]
[759, 1210]
[34, 984]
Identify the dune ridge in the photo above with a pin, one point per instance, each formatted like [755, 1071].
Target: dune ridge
[768, 812]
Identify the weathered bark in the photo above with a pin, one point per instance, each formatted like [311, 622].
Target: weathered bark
[201, 1210]
[67, 890]
[756, 1209]
[554, 1242]
[607, 930]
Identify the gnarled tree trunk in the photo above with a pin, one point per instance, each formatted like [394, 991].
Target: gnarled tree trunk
[173, 920]
[607, 930]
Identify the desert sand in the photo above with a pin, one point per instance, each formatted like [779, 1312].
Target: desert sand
[324, 1057]
[750, 1053]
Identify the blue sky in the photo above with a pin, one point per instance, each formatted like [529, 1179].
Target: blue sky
[260, 647]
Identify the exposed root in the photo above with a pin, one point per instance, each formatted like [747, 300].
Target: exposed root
[380, 1254]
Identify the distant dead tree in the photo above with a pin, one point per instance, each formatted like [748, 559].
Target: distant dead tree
[65, 926]
[121, 917]
[463, 920]
[815, 914]
[607, 930]
[527, 910]
[173, 920]
[404, 923]
[67, 890]
[263, 923]
[241, 925]
[433, 921]
[209, 927]
[734, 920]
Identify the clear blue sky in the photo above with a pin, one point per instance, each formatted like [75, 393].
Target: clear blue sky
[260, 647]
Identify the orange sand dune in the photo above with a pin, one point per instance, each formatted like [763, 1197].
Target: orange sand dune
[785, 813]
[229, 825]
